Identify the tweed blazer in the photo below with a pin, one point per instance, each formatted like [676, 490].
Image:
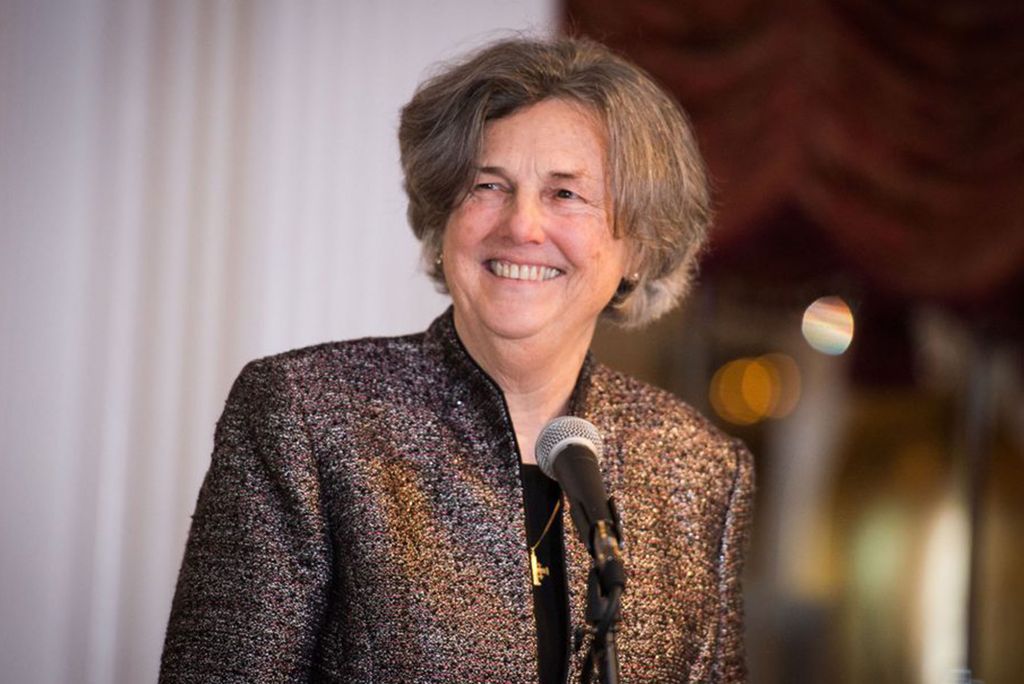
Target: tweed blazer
[362, 520]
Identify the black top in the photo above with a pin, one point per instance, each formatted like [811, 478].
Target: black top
[550, 599]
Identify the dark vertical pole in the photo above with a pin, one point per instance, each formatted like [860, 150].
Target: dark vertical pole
[977, 445]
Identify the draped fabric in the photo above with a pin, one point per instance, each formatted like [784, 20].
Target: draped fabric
[184, 185]
[895, 128]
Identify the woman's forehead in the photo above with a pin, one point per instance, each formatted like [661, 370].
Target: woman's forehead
[560, 138]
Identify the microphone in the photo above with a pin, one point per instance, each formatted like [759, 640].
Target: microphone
[568, 450]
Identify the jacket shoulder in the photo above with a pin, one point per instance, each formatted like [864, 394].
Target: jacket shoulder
[657, 416]
[375, 352]
[361, 361]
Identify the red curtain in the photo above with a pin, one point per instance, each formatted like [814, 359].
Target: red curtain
[896, 128]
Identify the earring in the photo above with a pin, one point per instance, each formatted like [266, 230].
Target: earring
[626, 287]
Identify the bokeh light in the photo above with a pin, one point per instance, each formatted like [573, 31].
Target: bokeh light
[747, 390]
[787, 375]
[828, 325]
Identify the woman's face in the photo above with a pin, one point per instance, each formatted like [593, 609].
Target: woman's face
[529, 251]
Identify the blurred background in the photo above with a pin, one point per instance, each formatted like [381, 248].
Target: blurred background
[188, 185]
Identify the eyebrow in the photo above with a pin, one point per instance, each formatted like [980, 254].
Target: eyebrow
[558, 175]
[493, 170]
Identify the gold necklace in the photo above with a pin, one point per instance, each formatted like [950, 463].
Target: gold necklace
[537, 571]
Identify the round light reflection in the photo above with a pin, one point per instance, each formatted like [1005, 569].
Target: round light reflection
[828, 325]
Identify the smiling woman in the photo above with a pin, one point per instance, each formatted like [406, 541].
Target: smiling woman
[373, 511]
[528, 254]
[655, 185]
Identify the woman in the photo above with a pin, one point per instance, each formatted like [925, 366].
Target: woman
[372, 513]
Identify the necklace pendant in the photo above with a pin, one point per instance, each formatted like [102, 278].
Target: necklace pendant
[537, 571]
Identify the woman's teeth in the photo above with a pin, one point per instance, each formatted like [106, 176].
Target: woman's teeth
[504, 269]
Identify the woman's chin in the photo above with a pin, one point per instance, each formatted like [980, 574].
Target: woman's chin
[512, 323]
[519, 326]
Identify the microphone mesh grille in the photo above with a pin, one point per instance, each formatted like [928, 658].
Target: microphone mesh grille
[556, 433]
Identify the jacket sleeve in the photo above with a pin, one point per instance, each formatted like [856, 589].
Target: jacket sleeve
[253, 584]
[730, 657]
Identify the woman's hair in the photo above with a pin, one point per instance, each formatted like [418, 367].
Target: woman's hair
[659, 190]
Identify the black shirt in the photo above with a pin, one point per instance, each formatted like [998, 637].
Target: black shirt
[550, 600]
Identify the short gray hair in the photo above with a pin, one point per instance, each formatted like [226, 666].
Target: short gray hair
[659, 187]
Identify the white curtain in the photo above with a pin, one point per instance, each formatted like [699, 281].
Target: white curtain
[184, 186]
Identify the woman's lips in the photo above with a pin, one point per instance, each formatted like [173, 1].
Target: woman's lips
[514, 271]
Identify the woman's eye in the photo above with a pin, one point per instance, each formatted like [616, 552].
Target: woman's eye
[487, 186]
[566, 194]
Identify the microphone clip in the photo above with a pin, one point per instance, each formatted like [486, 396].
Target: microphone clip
[606, 546]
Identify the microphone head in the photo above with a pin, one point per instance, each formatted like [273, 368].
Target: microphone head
[559, 433]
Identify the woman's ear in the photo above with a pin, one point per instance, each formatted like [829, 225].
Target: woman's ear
[630, 276]
[634, 261]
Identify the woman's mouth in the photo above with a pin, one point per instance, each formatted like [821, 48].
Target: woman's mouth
[507, 269]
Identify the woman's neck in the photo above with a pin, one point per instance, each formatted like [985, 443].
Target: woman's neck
[537, 376]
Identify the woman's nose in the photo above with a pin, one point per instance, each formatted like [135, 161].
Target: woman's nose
[524, 221]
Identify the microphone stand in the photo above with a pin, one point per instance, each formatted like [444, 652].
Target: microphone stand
[605, 584]
[603, 616]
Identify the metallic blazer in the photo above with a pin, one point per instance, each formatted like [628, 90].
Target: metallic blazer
[362, 521]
